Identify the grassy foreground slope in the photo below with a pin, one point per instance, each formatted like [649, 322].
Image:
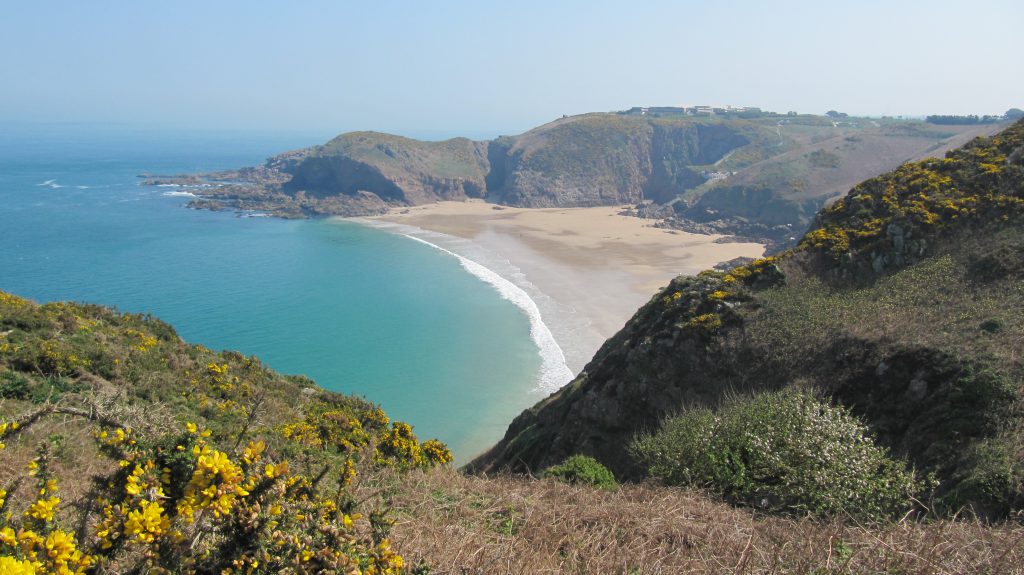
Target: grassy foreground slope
[126, 450]
[512, 525]
[274, 475]
[902, 303]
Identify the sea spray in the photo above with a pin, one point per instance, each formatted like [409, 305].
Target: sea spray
[554, 372]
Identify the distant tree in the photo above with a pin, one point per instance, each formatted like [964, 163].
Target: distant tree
[791, 113]
[961, 120]
[1014, 114]
[833, 114]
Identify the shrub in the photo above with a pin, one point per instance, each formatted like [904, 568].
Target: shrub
[13, 385]
[784, 450]
[580, 469]
[990, 480]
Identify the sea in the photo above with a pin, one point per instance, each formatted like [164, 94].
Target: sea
[447, 342]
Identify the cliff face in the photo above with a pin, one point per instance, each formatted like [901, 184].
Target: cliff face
[762, 177]
[902, 303]
[603, 159]
[589, 160]
[396, 169]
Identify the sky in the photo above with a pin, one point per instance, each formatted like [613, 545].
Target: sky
[483, 68]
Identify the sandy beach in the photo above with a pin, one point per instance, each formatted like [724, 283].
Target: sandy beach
[591, 268]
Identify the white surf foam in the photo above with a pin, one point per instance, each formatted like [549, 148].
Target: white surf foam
[554, 372]
[181, 194]
[50, 184]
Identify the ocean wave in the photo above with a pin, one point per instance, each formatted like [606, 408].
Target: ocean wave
[179, 194]
[50, 184]
[554, 373]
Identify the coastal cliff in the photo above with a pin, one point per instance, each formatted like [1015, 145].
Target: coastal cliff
[902, 304]
[762, 176]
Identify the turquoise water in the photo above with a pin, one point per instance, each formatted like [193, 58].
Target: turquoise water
[358, 309]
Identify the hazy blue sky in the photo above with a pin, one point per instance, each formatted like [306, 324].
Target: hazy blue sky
[487, 67]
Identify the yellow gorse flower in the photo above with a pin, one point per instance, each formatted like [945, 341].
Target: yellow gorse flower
[12, 566]
[216, 483]
[148, 522]
[43, 509]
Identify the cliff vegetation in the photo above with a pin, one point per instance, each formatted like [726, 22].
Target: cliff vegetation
[900, 307]
[126, 450]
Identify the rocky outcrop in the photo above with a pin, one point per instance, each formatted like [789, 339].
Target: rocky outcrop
[397, 170]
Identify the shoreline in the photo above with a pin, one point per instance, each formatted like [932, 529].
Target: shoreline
[587, 269]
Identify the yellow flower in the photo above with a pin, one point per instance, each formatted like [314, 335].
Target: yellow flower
[148, 522]
[254, 451]
[191, 427]
[43, 509]
[278, 470]
[132, 486]
[60, 546]
[12, 566]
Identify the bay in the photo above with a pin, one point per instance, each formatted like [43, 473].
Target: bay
[357, 309]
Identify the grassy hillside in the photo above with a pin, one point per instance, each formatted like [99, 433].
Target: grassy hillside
[511, 525]
[135, 452]
[803, 166]
[903, 304]
[126, 450]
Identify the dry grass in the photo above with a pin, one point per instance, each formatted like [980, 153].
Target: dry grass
[462, 524]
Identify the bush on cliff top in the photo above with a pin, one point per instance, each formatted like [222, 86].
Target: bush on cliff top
[784, 450]
[580, 469]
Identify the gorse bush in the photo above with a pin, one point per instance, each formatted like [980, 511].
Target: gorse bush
[581, 469]
[784, 450]
[194, 461]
